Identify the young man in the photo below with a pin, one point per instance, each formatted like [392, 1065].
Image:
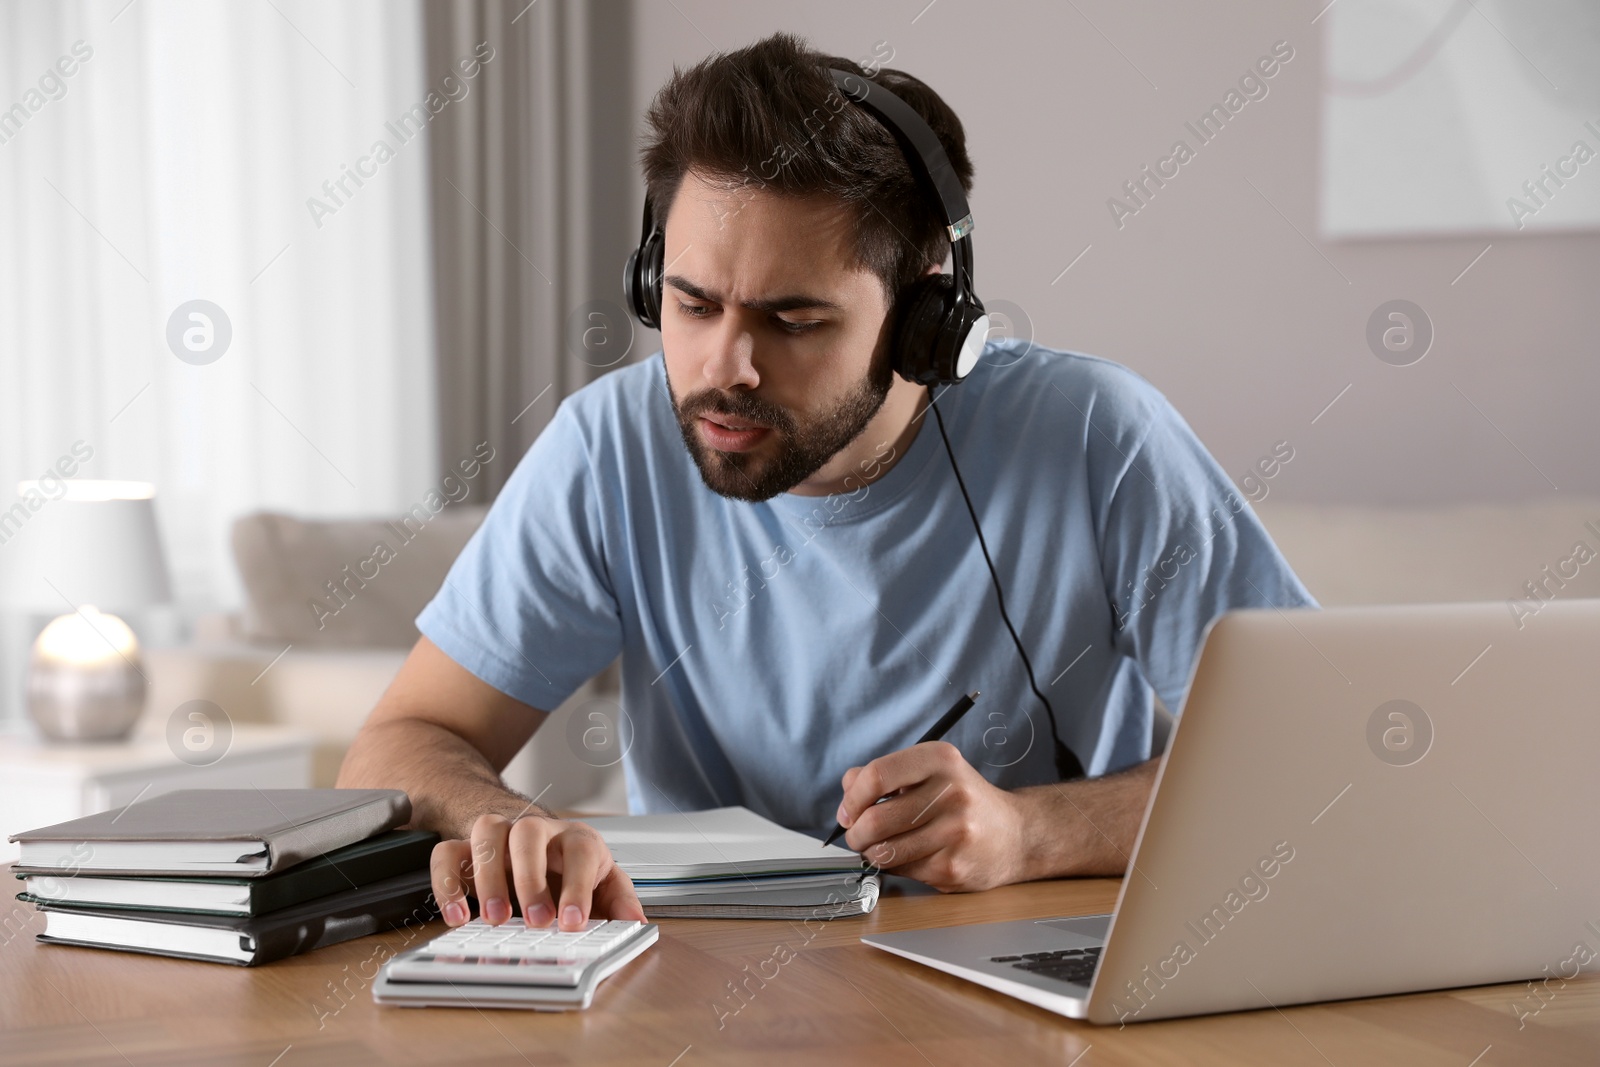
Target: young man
[762, 522]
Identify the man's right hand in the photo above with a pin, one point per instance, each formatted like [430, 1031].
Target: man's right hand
[444, 736]
[556, 868]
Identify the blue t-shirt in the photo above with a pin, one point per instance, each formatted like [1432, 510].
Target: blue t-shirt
[768, 647]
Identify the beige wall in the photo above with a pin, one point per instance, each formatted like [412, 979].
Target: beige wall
[1208, 291]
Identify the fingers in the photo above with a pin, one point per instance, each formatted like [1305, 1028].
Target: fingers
[489, 847]
[916, 806]
[949, 855]
[616, 898]
[897, 771]
[557, 869]
[952, 841]
[931, 854]
[943, 848]
[451, 867]
[528, 840]
[580, 854]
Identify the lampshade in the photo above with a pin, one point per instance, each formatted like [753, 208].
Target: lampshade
[95, 543]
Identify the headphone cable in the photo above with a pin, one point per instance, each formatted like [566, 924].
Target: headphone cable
[1067, 762]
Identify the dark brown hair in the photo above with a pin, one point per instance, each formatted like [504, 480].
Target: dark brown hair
[769, 117]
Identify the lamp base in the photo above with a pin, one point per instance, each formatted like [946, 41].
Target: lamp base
[96, 703]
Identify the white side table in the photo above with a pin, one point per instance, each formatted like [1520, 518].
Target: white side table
[43, 783]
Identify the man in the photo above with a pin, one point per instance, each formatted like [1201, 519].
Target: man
[762, 523]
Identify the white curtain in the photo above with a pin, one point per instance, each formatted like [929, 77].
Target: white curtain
[184, 158]
[176, 165]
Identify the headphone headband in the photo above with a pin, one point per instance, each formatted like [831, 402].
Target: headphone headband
[917, 141]
[927, 157]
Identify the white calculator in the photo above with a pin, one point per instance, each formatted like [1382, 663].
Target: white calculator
[511, 966]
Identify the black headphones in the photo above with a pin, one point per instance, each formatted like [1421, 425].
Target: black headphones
[940, 325]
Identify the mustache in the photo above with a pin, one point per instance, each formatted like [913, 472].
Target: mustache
[735, 405]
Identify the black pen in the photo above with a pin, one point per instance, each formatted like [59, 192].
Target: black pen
[938, 730]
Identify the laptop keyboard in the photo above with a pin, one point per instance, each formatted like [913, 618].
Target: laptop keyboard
[1074, 965]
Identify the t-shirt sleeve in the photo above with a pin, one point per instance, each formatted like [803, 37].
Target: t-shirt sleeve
[529, 605]
[1178, 546]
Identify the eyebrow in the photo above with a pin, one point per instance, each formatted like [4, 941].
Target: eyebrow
[773, 304]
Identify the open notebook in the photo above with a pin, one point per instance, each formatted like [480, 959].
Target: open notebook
[733, 863]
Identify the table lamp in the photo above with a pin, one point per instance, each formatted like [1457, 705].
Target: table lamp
[80, 549]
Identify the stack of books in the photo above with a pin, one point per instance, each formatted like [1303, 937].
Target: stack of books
[241, 876]
[730, 863]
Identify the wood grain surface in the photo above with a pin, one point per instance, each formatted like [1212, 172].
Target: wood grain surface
[830, 1000]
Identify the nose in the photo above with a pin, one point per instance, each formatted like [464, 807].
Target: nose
[730, 361]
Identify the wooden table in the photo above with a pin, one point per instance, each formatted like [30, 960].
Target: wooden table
[832, 1001]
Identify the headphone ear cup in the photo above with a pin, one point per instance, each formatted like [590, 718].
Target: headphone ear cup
[924, 305]
[641, 280]
[656, 248]
[967, 333]
[630, 286]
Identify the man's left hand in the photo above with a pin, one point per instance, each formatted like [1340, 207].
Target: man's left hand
[942, 823]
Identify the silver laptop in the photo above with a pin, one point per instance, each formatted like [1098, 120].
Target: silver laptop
[1355, 802]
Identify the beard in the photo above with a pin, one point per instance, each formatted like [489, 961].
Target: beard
[792, 450]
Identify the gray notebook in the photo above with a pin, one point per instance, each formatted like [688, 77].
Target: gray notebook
[242, 832]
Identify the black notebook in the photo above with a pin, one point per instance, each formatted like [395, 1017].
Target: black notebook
[403, 900]
[362, 863]
[242, 832]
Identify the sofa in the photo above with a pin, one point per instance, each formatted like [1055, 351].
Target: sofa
[282, 660]
[327, 622]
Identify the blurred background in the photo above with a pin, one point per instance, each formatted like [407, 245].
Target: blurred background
[294, 268]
